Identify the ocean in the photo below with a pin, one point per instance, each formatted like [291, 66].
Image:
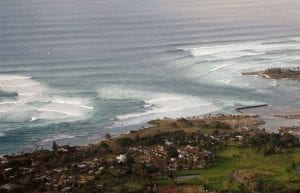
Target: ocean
[73, 70]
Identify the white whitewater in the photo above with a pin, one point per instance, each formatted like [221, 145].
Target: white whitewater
[35, 102]
[157, 105]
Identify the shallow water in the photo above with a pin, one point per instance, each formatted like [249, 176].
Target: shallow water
[72, 71]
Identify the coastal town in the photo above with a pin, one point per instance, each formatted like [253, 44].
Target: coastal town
[171, 154]
[150, 96]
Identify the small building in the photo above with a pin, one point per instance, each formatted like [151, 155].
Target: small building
[121, 158]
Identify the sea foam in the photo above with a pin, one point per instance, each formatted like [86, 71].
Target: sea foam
[157, 104]
[35, 101]
[58, 137]
[230, 51]
[222, 64]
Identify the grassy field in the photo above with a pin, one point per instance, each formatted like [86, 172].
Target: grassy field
[219, 177]
[233, 158]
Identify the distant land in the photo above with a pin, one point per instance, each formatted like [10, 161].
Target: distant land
[278, 73]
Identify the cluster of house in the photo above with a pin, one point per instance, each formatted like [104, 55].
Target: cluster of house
[192, 152]
[291, 130]
[189, 157]
[69, 178]
[73, 176]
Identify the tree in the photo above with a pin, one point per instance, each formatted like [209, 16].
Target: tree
[129, 160]
[125, 142]
[2, 179]
[104, 145]
[54, 146]
[107, 136]
[172, 152]
[137, 138]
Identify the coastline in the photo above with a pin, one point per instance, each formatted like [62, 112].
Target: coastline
[149, 125]
[92, 166]
[154, 126]
[138, 144]
[150, 96]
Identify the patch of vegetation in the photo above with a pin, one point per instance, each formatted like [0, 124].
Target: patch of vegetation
[216, 125]
[125, 142]
[279, 73]
[219, 177]
[266, 144]
[282, 70]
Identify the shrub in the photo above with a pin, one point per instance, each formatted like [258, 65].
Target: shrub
[172, 152]
[125, 142]
[107, 136]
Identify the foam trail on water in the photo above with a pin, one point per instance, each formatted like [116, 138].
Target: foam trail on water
[217, 67]
[8, 102]
[225, 81]
[72, 102]
[58, 137]
[13, 77]
[57, 111]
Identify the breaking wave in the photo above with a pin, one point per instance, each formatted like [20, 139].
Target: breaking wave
[230, 51]
[58, 137]
[222, 64]
[157, 105]
[35, 101]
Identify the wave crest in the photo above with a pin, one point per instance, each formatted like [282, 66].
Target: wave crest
[157, 105]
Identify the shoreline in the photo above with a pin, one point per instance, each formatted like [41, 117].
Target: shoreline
[105, 165]
[149, 125]
[101, 138]
[145, 126]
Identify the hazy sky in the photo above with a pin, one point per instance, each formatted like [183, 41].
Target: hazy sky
[282, 12]
[262, 11]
